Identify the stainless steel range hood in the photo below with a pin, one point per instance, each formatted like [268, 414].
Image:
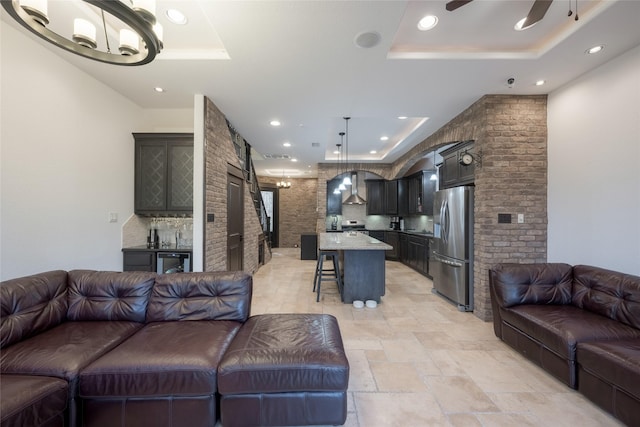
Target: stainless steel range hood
[354, 199]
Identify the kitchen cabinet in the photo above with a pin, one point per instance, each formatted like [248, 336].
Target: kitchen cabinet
[377, 234]
[420, 190]
[403, 254]
[375, 196]
[163, 174]
[414, 252]
[392, 238]
[391, 197]
[334, 201]
[139, 260]
[403, 197]
[454, 172]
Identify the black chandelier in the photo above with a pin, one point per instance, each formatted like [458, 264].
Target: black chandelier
[140, 37]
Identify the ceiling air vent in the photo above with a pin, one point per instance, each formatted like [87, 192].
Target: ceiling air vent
[277, 156]
[315, 144]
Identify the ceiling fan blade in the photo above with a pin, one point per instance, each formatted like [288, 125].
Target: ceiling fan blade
[454, 4]
[537, 12]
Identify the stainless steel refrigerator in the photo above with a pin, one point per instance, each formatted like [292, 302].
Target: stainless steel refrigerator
[451, 258]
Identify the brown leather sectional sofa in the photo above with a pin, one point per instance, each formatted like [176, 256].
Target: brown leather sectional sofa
[580, 323]
[90, 348]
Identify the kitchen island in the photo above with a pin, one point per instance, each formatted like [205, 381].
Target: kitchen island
[362, 264]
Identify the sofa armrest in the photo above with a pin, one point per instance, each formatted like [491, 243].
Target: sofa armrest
[201, 296]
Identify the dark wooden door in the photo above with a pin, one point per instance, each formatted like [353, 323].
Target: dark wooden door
[235, 222]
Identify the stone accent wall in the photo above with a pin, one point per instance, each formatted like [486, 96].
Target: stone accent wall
[219, 152]
[510, 134]
[298, 209]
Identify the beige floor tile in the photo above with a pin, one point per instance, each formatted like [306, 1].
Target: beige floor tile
[417, 361]
[401, 377]
[398, 410]
[460, 394]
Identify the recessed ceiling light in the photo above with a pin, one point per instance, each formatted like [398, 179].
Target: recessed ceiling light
[336, 152]
[595, 49]
[402, 117]
[294, 159]
[372, 152]
[540, 82]
[286, 144]
[176, 16]
[427, 22]
[158, 89]
[384, 138]
[274, 123]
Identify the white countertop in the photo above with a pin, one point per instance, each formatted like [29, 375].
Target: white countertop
[351, 241]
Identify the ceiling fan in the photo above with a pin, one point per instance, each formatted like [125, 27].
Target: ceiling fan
[537, 12]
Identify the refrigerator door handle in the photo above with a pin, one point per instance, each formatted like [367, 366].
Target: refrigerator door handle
[444, 220]
[447, 261]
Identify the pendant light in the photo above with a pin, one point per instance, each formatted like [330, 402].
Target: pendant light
[140, 35]
[283, 184]
[347, 179]
[338, 151]
[434, 177]
[342, 186]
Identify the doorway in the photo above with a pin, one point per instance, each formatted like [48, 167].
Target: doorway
[235, 219]
[270, 199]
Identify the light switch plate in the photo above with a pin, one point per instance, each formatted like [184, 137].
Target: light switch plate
[520, 218]
[113, 216]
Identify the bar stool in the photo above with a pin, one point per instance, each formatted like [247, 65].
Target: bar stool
[327, 274]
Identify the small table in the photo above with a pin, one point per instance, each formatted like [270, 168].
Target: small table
[363, 265]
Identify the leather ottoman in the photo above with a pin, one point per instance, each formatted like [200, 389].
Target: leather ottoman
[284, 370]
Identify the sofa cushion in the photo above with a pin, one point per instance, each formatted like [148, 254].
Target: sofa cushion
[201, 296]
[30, 305]
[609, 293]
[64, 350]
[516, 284]
[162, 359]
[107, 295]
[615, 362]
[32, 401]
[561, 327]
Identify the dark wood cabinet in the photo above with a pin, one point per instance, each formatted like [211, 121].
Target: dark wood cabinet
[454, 172]
[413, 251]
[163, 174]
[375, 197]
[420, 192]
[139, 261]
[391, 197]
[403, 254]
[334, 201]
[392, 238]
[403, 197]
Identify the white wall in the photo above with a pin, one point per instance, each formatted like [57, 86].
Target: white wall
[594, 169]
[66, 161]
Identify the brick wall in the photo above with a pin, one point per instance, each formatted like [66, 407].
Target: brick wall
[298, 209]
[219, 152]
[510, 134]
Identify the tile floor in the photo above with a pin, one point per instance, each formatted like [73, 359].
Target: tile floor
[417, 361]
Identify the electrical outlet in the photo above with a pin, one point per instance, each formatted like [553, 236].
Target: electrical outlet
[113, 216]
[520, 218]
